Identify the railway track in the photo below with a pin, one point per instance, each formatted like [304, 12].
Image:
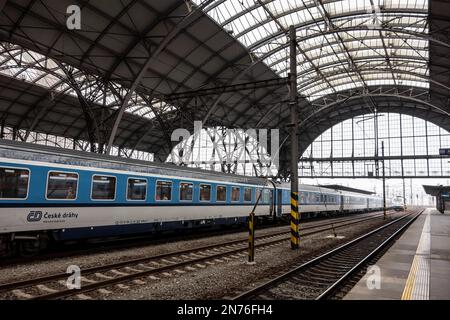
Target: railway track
[67, 249]
[101, 245]
[103, 276]
[322, 276]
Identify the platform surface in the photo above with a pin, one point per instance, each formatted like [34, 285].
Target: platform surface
[416, 266]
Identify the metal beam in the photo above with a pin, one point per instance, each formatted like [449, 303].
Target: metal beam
[226, 89]
[367, 177]
[172, 34]
[374, 158]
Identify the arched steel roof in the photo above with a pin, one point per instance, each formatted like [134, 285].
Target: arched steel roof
[126, 56]
[341, 44]
[353, 57]
[113, 76]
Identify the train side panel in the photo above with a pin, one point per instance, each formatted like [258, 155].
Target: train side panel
[37, 212]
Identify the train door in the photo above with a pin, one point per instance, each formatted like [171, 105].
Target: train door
[279, 202]
[342, 204]
[272, 203]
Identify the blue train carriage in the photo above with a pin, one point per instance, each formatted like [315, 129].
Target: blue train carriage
[48, 193]
[315, 201]
[52, 194]
[355, 202]
[376, 203]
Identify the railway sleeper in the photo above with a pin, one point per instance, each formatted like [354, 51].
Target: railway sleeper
[326, 271]
[313, 282]
[321, 278]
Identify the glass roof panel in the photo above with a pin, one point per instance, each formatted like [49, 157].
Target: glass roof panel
[35, 68]
[342, 44]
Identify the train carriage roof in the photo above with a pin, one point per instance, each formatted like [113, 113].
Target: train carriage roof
[42, 153]
[311, 188]
[343, 188]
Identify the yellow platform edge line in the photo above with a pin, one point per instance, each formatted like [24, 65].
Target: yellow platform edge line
[409, 286]
[416, 265]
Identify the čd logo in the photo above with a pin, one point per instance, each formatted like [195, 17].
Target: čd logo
[34, 216]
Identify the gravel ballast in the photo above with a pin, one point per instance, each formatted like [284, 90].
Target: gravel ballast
[224, 280]
[212, 280]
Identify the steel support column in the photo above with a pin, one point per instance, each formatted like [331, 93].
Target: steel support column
[294, 140]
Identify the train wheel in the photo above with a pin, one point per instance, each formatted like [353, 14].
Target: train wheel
[29, 248]
[32, 247]
[6, 248]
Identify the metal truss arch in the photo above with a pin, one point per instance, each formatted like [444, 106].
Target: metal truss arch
[347, 50]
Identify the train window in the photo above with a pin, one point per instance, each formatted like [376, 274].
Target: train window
[267, 196]
[163, 190]
[137, 189]
[14, 183]
[103, 187]
[258, 194]
[186, 190]
[302, 197]
[221, 193]
[235, 194]
[62, 185]
[247, 194]
[205, 192]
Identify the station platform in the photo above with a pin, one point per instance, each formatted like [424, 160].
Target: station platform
[416, 266]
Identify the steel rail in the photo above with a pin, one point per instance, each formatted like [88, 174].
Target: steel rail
[280, 279]
[89, 287]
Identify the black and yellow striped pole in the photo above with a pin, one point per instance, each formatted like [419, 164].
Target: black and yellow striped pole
[251, 238]
[251, 231]
[295, 237]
